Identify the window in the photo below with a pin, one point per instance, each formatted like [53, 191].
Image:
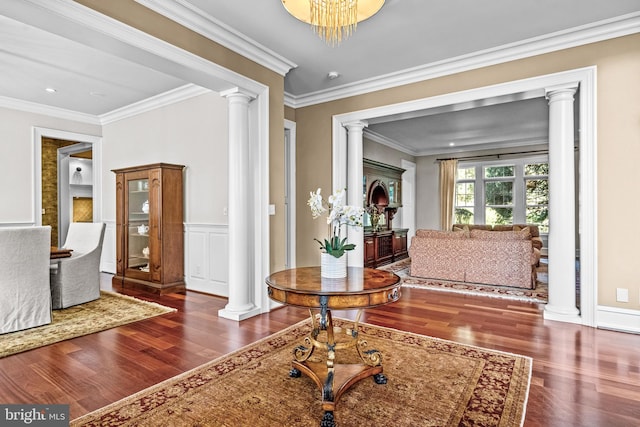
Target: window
[465, 195]
[536, 182]
[498, 194]
[503, 192]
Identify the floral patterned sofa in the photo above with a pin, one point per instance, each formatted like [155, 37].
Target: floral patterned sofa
[476, 255]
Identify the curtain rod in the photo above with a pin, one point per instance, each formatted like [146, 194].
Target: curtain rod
[497, 156]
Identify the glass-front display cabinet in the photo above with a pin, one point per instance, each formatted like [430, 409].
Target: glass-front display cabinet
[137, 234]
[149, 228]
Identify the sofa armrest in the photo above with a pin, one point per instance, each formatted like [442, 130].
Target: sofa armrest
[536, 242]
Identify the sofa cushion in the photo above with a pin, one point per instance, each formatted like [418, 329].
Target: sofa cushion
[500, 235]
[503, 227]
[438, 258]
[474, 226]
[533, 229]
[438, 234]
[501, 262]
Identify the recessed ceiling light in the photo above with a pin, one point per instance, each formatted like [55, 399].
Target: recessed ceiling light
[51, 90]
[451, 144]
[333, 75]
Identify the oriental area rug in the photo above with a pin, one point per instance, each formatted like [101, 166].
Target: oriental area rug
[538, 295]
[108, 311]
[431, 382]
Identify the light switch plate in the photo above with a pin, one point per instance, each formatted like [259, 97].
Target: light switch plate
[622, 295]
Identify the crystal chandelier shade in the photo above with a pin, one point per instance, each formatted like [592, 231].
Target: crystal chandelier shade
[333, 20]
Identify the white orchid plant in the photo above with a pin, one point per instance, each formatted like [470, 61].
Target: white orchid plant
[339, 215]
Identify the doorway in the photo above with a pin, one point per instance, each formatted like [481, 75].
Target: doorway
[583, 78]
[55, 152]
[75, 186]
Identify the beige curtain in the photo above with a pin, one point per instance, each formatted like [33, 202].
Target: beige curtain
[448, 169]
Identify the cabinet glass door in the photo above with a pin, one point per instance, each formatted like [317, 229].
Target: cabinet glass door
[138, 225]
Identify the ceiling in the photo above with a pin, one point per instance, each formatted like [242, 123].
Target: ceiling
[410, 35]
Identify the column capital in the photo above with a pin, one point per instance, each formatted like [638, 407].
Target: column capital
[567, 88]
[355, 125]
[239, 92]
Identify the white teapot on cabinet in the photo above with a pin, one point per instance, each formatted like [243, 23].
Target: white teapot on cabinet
[143, 229]
[145, 206]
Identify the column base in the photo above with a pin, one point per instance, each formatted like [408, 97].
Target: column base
[562, 314]
[238, 315]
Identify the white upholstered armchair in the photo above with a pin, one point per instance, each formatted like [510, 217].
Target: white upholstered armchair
[76, 280]
[25, 298]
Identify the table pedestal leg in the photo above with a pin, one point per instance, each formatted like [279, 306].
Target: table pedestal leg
[332, 378]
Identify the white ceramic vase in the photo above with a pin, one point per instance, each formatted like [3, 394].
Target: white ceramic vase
[332, 267]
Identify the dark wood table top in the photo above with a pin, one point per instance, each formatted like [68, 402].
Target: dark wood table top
[362, 288]
[57, 253]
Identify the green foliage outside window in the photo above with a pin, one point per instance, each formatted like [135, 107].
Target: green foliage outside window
[498, 171]
[464, 215]
[499, 203]
[537, 195]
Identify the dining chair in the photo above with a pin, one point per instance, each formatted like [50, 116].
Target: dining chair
[76, 280]
[25, 297]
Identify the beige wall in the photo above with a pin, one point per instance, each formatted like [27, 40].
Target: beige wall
[290, 114]
[137, 16]
[618, 139]
[193, 133]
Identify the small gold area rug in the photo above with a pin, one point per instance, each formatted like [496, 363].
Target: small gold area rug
[108, 311]
[431, 382]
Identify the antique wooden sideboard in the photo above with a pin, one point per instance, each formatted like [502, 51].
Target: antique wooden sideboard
[385, 247]
[382, 189]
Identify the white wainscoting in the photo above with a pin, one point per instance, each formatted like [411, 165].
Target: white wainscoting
[207, 258]
[206, 261]
[108, 258]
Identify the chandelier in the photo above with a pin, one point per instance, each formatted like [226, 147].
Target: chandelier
[332, 20]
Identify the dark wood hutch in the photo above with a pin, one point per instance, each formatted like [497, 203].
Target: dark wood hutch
[149, 228]
[382, 188]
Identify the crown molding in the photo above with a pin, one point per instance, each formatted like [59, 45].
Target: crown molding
[577, 36]
[487, 145]
[168, 58]
[383, 140]
[46, 110]
[494, 145]
[167, 98]
[197, 20]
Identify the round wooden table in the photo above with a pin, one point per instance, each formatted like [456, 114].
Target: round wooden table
[362, 288]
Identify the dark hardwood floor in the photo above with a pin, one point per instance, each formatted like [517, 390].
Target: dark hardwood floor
[581, 376]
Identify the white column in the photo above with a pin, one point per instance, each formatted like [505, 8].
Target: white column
[354, 188]
[562, 222]
[240, 305]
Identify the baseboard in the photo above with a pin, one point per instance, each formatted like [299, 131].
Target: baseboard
[618, 319]
[205, 258]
